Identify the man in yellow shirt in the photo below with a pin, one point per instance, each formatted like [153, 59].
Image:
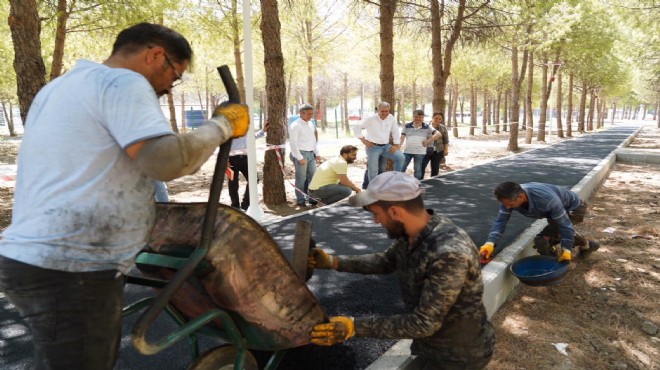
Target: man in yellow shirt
[330, 183]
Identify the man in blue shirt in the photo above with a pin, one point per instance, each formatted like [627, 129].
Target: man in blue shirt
[560, 206]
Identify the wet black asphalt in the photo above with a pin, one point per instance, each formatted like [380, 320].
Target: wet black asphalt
[464, 196]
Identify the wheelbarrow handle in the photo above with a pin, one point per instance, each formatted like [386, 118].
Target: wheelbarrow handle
[208, 229]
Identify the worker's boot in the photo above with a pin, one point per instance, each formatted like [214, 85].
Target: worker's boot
[591, 246]
[543, 246]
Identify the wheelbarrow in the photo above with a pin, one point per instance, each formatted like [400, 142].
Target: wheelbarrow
[218, 273]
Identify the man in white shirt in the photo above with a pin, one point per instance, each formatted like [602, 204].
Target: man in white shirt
[304, 152]
[376, 138]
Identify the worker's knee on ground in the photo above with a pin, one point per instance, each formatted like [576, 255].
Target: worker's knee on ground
[542, 245]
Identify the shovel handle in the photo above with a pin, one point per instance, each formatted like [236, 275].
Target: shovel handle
[208, 229]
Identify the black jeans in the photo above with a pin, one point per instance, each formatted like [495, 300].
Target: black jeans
[576, 216]
[75, 318]
[238, 163]
[435, 158]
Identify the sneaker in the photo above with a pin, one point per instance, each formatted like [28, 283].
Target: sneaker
[312, 202]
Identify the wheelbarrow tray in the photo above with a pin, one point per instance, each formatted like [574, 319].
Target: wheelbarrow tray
[244, 273]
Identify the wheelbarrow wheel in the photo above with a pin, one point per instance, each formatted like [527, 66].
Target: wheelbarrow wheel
[222, 358]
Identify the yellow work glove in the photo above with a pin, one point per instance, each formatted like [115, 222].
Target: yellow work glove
[487, 249]
[564, 256]
[237, 115]
[320, 260]
[339, 329]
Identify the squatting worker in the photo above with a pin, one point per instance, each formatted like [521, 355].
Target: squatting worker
[439, 276]
[561, 207]
[330, 183]
[96, 139]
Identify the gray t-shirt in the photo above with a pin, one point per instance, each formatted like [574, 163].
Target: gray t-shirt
[81, 204]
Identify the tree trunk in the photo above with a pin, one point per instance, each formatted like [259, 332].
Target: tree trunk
[516, 81]
[362, 101]
[442, 63]
[505, 123]
[560, 131]
[183, 112]
[387, 9]
[236, 39]
[497, 111]
[414, 94]
[8, 118]
[448, 118]
[592, 110]
[569, 107]
[473, 109]
[543, 104]
[484, 114]
[170, 104]
[453, 110]
[529, 111]
[60, 39]
[310, 64]
[273, 186]
[344, 118]
[582, 106]
[29, 66]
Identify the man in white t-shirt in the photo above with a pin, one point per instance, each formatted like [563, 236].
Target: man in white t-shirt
[330, 183]
[377, 131]
[96, 140]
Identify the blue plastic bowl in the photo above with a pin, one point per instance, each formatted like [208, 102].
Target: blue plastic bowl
[539, 270]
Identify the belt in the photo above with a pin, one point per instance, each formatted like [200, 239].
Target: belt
[377, 144]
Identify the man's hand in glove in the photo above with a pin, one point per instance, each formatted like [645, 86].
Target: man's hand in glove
[320, 260]
[339, 329]
[486, 250]
[237, 115]
[565, 255]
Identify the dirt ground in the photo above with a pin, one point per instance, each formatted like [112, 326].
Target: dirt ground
[605, 310]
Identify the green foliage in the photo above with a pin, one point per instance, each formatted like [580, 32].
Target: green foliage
[613, 46]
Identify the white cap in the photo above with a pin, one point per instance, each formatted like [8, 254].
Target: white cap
[390, 186]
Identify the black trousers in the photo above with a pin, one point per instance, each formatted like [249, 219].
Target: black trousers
[435, 158]
[74, 317]
[238, 163]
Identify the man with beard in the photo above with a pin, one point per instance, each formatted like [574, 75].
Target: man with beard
[84, 198]
[439, 275]
[330, 183]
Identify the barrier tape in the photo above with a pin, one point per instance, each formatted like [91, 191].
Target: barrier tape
[280, 162]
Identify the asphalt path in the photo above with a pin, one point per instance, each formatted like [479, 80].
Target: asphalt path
[464, 196]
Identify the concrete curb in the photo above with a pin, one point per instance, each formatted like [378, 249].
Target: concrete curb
[498, 282]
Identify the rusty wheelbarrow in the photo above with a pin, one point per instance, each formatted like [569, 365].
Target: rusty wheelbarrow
[218, 273]
[244, 291]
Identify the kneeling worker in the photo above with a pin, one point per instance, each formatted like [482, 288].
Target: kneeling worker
[439, 275]
[330, 183]
[561, 207]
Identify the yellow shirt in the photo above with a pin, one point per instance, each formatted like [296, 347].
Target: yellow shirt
[326, 173]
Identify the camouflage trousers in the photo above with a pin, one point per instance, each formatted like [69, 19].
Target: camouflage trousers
[467, 357]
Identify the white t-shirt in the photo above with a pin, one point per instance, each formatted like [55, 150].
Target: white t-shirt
[80, 203]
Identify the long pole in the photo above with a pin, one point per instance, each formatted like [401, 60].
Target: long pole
[254, 210]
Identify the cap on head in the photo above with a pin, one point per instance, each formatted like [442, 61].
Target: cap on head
[392, 186]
